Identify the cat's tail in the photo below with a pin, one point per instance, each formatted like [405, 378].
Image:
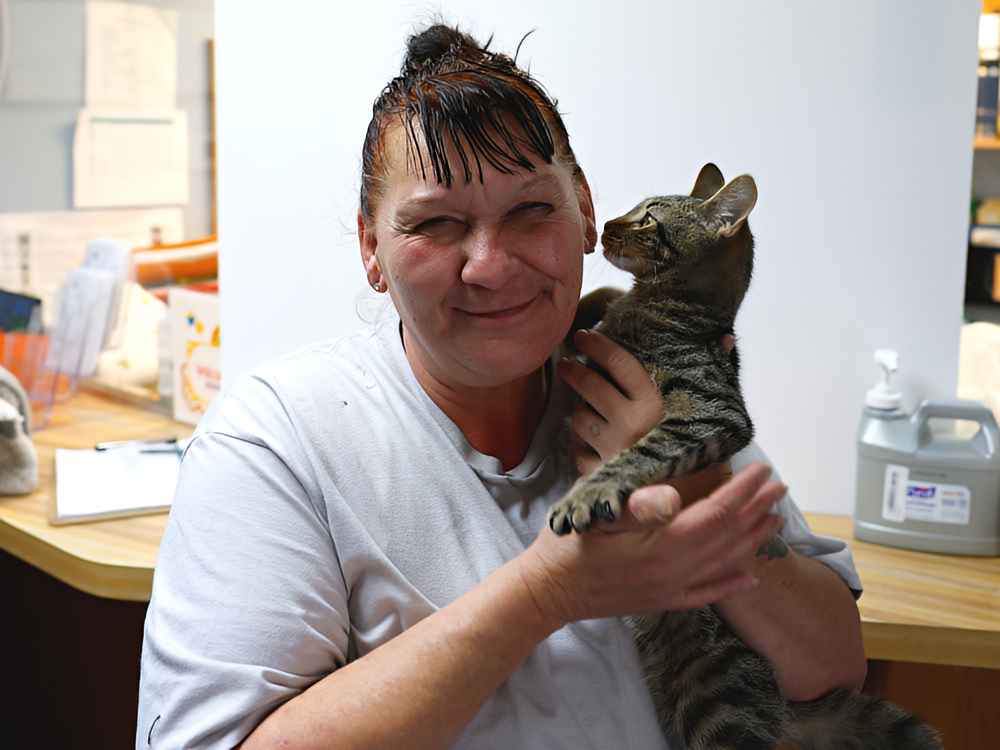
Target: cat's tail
[844, 720]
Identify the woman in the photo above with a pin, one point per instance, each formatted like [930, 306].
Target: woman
[357, 554]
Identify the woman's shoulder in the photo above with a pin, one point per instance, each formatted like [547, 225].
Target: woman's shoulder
[308, 385]
[321, 362]
[750, 454]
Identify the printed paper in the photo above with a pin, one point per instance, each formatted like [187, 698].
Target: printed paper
[131, 57]
[195, 342]
[130, 159]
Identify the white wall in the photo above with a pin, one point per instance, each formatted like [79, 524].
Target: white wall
[854, 117]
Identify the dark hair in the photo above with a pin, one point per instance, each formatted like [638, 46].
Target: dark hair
[455, 88]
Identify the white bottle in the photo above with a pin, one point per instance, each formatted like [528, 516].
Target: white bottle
[923, 490]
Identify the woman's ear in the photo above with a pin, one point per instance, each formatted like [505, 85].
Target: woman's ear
[587, 209]
[366, 240]
[368, 243]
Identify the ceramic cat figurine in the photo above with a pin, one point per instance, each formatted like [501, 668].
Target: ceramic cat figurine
[692, 259]
[18, 464]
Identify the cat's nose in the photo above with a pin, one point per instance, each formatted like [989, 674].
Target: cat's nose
[616, 224]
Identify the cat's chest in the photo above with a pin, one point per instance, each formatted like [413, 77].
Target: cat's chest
[644, 334]
[668, 343]
[634, 327]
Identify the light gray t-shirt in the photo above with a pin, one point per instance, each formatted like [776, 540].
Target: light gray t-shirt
[325, 505]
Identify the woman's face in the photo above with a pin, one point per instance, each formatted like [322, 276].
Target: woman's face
[486, 276]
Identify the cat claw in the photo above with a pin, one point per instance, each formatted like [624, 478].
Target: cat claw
[582, 507]
[564, 528]
[562, 523]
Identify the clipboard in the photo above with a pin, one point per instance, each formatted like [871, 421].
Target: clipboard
[94, 485]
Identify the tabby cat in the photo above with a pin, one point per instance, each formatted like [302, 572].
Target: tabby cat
[692, 258]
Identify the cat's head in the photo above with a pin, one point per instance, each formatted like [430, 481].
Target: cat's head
[672, 235]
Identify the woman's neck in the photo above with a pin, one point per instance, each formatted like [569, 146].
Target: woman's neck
[498, 421]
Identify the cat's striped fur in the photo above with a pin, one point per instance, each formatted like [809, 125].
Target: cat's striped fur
[692, 258]
[713, 691]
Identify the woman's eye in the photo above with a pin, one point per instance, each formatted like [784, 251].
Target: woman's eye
[536, 206]
[435, 224]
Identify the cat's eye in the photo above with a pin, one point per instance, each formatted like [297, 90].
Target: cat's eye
[660, 231]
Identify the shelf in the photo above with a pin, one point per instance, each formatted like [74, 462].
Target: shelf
[987, 143]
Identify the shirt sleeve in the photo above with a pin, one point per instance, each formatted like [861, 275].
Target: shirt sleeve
[249, 605]
[832, 552]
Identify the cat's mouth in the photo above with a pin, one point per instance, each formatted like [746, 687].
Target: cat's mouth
[627, 263]
[616, 250]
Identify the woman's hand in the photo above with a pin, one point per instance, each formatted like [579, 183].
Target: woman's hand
[655, 558]
[611, 416]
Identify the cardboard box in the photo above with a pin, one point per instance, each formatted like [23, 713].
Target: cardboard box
[195, 343]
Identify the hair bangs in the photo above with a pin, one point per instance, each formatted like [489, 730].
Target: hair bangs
[482, 116]
[456, 101]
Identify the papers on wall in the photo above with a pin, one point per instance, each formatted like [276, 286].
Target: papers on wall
[121, 482]
[131, 57]
[130, 159]
[194, 344]
[130, 147]
[38, 250]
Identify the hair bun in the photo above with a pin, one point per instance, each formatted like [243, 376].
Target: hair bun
[433, 44]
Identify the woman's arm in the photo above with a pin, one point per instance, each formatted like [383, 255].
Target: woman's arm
[804, 620]
[420, 689]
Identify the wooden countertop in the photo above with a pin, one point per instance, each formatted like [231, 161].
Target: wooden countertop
[112, 558]
[917, 606]
[923, 607]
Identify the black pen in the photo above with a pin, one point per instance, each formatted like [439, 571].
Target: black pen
[167, 441]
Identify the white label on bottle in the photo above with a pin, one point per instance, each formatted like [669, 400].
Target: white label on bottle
[932, 502]
[938, 503]
[893, 493]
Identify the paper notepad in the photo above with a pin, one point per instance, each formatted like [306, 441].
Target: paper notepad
[93, 485]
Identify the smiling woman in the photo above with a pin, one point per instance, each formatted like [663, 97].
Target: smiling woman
[496, 262]
[484, 269]
[357, 553]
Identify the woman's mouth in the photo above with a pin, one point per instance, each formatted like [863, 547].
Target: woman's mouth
[501, 313]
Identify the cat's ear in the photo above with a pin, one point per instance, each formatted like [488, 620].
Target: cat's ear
[730, 207]
[709, 182]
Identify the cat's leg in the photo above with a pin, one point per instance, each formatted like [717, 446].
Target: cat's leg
[694, 433]
[845, 719]
[707, 686]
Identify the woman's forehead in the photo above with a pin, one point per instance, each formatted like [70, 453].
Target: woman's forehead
[405, 175]
[414, 193]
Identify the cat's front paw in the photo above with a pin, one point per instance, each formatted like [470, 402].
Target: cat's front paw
[587, 502]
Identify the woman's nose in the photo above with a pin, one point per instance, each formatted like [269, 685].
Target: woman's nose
[490, 261]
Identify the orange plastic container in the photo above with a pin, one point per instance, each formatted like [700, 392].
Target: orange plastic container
[24, 354]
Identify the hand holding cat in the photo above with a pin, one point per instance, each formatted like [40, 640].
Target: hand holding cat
[611, 416]
[641, 564]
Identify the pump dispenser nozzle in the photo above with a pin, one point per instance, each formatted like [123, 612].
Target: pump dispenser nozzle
[883, 395]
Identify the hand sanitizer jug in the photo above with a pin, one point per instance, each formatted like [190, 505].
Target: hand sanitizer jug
[923, 490]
